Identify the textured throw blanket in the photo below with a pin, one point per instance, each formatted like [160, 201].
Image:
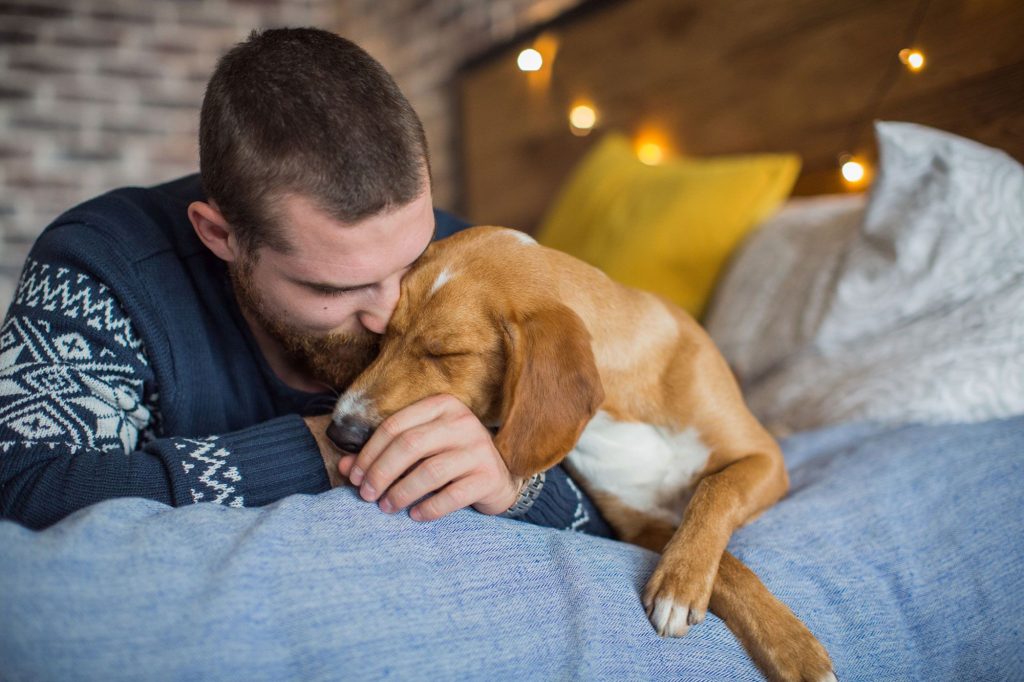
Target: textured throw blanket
[901, 549]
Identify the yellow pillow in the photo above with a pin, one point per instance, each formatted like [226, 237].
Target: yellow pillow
[667, 228]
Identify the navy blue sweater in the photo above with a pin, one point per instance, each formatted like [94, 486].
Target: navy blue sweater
[127, 369]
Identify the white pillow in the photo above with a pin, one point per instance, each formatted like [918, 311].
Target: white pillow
[944, 227]
[919, 315]
[770, 302]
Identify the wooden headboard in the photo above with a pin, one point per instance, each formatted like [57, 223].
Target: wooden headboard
[713, 77]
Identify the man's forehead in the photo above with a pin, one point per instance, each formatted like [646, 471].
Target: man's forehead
[354, 253]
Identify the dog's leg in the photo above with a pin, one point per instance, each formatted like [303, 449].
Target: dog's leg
[678, 592]
[745, 475]
[781, 646]
[778, 642]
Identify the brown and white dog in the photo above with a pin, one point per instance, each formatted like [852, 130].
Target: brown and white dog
[626, 388]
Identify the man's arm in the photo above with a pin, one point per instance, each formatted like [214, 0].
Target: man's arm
[78, 403]
[79, 408]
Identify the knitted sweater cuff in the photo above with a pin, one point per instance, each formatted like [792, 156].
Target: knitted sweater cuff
[563, 504]
[253, 466]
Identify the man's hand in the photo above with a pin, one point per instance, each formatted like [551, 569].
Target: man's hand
[433, 446]
[328, 450]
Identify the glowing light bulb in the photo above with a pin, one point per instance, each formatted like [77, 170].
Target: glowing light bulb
[530, 60]
[914, 59]
[651, 153]
[853, 171]
[582, 117]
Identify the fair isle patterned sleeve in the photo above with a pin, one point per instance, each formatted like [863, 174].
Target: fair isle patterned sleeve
[562, 504]
[79, 414]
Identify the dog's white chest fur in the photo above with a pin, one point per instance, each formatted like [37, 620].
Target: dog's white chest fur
[649, 468]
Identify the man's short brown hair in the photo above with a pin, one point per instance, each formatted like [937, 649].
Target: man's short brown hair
[305, 111]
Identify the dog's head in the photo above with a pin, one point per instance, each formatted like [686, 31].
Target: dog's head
[478, 318]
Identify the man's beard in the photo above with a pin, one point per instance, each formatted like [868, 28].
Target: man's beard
[334, 358]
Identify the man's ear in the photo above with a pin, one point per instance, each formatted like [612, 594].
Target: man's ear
[213, 230]
[551, 389]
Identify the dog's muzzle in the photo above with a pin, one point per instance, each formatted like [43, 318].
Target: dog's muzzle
[350, 434]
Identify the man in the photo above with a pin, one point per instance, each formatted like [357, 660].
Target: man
[185, 342]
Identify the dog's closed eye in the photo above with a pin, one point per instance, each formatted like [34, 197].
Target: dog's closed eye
[435, 350]
[437, 355]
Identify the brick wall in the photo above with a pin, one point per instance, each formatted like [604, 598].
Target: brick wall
[96, 94]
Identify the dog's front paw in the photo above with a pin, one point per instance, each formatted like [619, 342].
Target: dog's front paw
[673, 602]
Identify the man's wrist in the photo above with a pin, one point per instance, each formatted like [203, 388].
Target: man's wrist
[528, 494]
[330, 454]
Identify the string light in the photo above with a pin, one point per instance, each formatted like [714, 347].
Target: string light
[854, 170]
[538, 61]
[849, 166]
[582, 119]
[913, 59]
[530, 60]
[651, 153]
[652, 143]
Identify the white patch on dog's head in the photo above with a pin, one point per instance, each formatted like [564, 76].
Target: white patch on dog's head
[441, 280]
[522, 236]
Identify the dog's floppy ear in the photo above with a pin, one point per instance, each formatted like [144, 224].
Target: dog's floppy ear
[551, 389]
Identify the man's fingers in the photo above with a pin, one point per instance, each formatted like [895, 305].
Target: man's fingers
[401, 454]
[418, 413]
[456, 495]
[429, 476]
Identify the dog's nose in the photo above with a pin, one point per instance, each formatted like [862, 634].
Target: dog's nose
[350, 434]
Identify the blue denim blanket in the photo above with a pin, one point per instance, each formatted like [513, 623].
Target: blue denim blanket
[903, 550]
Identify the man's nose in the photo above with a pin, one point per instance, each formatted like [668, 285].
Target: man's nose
[376, 316]
[375, 322]
[350, 434]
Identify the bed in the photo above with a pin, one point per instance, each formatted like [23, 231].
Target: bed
[877, 332]
[898, 544]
